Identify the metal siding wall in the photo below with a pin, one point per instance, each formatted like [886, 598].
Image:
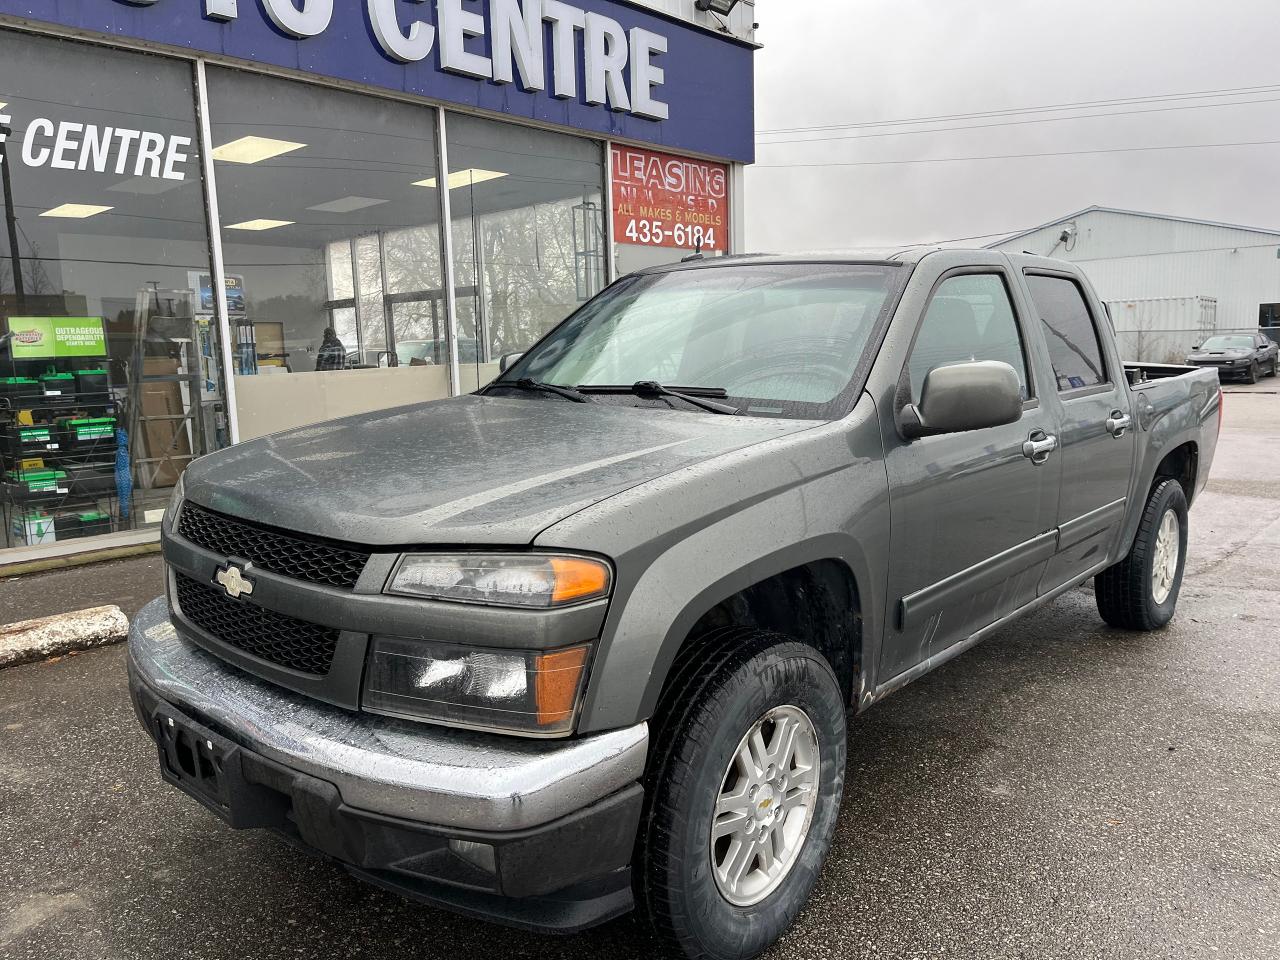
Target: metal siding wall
[1103, 235]
[1140, 258]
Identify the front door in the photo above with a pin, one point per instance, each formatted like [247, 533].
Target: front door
[972, 513]
[1098, 429]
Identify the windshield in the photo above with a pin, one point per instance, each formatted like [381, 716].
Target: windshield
[779, 339]
[1228, 343]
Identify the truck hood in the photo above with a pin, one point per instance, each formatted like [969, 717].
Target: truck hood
[469, 470]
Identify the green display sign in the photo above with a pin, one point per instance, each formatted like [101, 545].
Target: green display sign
[42, 338]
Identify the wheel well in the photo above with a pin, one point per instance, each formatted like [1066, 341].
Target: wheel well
[816, 603]
[1181, 464]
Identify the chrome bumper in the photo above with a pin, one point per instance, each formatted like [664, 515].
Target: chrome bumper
[415, 771]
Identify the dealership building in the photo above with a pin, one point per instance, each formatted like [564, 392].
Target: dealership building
[225, 218]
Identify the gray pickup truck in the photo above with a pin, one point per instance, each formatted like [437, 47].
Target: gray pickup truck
[590, 639]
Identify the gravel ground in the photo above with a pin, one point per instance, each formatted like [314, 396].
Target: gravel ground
[1061, 791]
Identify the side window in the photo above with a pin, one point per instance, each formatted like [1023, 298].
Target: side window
[969, 318]
[1069, 331]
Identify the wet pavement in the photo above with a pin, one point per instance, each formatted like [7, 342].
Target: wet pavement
[1061, 791]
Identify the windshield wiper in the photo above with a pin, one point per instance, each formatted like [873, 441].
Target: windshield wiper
[527, 384]
[693, 395]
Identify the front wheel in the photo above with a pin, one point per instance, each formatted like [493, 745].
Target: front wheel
[742, 794]
[1275, 365]
[1252, 375]
[1141, 591]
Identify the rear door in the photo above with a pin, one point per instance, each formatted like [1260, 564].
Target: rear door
[972, 514]
[1097, 428]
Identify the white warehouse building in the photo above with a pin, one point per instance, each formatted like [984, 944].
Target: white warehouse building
[1172, 275]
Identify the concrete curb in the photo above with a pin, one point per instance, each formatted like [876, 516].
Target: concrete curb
[29, 640]
[21, 568]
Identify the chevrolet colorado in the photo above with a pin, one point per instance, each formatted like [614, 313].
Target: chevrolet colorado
[590, 639]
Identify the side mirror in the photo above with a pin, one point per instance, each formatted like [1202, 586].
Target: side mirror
[962, 397]
[507, 361]
[1195, 346]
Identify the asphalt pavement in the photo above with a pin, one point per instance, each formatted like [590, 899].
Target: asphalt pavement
[1061, 791]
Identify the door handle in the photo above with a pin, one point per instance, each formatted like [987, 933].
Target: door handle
[1118, 423]
[1038, 446]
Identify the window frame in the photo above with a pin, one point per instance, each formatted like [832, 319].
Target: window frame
[1108, 367]
[904, 376]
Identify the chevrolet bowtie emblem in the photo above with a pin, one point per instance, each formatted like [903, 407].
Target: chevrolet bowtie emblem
[234, 582]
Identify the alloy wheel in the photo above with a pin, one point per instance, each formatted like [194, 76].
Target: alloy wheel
[765, 806]
[1164, 566]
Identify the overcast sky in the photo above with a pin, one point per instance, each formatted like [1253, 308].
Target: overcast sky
[829, 62]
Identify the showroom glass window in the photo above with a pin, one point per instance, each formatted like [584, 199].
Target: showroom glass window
[111, 374]
[528, 235]
[330, 220]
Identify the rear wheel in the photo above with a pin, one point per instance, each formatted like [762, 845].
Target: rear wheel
[1141, 591]
[1275, 364]
[742, 794]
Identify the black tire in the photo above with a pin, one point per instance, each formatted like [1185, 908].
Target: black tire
[1252, 375]
[712, 701]
[1124, 592]
[1275, 365]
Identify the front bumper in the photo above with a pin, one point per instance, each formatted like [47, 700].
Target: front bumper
[1239, 369]
[532, 833]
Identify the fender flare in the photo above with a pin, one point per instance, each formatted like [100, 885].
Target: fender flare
[1163, 437]
[632, 687]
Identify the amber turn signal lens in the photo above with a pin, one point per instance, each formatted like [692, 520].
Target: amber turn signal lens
[558, 677]
[577, 578]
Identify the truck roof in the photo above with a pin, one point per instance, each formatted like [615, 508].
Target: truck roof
[895, 255]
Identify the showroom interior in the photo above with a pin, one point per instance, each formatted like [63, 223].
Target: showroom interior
[202, 249]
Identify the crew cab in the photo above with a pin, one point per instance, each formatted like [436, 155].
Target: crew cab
[595, 637]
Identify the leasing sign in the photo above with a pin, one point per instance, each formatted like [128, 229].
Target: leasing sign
[660, 200]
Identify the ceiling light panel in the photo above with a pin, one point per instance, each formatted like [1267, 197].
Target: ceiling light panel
[254, 149]
[147, 186]
[259, 224]
[347, 205]
[76, 211]
[463, 178]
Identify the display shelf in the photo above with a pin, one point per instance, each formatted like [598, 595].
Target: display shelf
[57, 443]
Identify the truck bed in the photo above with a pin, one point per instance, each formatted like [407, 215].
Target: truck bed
[1140, 373]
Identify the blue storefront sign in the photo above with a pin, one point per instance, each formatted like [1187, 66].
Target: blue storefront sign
[600, 66]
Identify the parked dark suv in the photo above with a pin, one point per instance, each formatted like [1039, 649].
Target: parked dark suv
[1246, 356]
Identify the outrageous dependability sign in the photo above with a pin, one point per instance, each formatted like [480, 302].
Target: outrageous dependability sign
[41, 338]
[660, 200]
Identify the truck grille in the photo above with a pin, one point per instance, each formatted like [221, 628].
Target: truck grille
[286, 641]
[290, 556]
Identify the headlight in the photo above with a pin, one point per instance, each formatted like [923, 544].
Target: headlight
[502, 579]
[175, 501]
[514, 691]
